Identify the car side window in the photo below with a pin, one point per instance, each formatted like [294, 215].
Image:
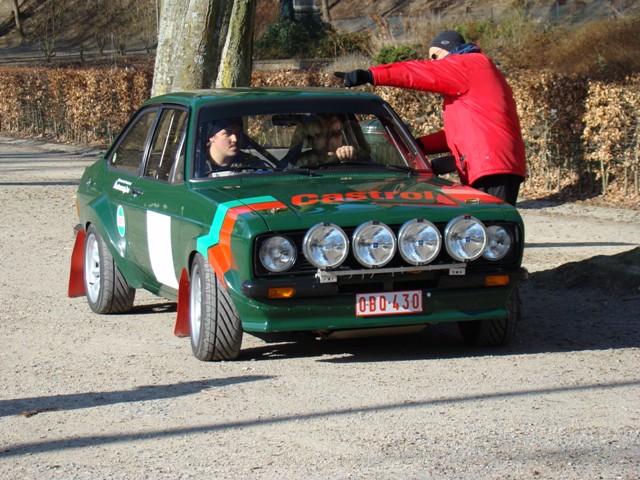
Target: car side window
[167, 146]
[129, 153]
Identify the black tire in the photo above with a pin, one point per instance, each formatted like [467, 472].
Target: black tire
[107, 290]
[494, 332]
[215, 327]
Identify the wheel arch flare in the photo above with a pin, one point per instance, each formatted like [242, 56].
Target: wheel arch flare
[215, 246]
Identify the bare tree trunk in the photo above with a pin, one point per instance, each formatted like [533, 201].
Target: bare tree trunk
[186, 53]
[235, 59]
[326, 14]
[16, 15]
[203, 43]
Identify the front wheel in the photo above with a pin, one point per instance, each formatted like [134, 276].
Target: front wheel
[493, 332]
[216, 330]
[106, 288]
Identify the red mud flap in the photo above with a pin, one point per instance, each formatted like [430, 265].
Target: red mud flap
[76, 274]
[182, 321]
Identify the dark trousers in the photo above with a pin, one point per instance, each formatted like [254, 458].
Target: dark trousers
[504, 186]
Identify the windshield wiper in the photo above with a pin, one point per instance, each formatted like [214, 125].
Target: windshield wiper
[341, 163]
[299, 170]
[405, 169]
[370, 165]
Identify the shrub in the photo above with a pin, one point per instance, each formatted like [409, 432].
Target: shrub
[599, 49]
[336, 45]
[392, 54]
[582, 135]
[289, 38]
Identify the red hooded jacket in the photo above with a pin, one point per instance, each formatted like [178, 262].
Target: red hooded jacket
[481, 126]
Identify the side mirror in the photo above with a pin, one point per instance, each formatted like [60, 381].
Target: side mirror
[444, 165]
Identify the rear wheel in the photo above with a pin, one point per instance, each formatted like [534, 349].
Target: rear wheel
[493, 332]
[216, 330]
[106, 288]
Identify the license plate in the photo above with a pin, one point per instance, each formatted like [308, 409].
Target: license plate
[388, 303]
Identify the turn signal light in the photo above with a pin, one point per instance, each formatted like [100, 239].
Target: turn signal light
[281, 292]
[496, 281]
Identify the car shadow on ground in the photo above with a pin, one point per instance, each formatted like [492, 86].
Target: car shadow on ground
[161, 307]
[568, 194]
[577, 306]
[593, 304]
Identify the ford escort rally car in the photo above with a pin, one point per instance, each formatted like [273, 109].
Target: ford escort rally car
[376, 241]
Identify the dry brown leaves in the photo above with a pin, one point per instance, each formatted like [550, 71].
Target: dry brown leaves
[582, 136]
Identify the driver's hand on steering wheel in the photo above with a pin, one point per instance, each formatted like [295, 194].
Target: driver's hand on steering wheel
[345, 152]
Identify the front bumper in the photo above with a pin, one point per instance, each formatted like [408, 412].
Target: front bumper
[312, 287]
[332, 306]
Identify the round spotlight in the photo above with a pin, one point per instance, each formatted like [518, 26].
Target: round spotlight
[465, 238]
[325, 246]
[374, 244]
[419, 241]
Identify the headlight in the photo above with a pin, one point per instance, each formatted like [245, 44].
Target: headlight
[374, 244]
[278, 254]
[465, 238]
[325, 245]
[419, 241]
[498, 243]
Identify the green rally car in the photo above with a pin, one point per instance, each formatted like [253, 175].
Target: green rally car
[295, 239]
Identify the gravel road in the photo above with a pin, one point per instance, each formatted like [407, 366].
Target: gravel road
[84, 396]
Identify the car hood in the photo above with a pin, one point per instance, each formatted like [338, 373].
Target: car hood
[288, 202]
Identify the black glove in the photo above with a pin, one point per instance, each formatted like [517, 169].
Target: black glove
[355, 77]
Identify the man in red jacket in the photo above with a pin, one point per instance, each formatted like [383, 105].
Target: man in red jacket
[481, 125]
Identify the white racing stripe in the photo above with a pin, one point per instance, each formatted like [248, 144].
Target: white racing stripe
[160, 252]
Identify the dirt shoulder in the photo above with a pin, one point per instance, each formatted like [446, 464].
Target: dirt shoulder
[107, 397]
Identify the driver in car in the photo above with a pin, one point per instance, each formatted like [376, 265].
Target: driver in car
[325, 137]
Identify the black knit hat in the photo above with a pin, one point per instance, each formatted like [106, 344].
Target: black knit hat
[223, 124]
[448, 40]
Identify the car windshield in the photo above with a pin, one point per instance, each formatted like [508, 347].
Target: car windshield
[311, 141]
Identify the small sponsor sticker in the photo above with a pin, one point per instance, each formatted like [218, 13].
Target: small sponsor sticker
[120, 221]
[121, 185]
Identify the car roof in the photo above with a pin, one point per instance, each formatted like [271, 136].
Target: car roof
[199, 97]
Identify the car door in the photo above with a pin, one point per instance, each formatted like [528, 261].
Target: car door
[156, 203]
[125, 164]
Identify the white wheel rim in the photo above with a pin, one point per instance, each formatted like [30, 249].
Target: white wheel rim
[92, 268]
[195, 311]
